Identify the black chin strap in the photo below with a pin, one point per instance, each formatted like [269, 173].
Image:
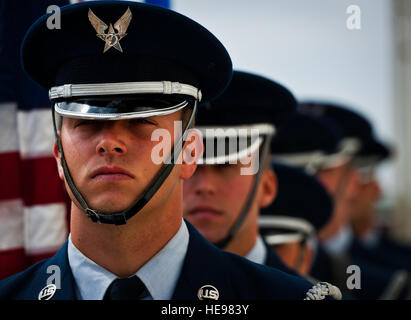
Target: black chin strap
[243, 213]
[119, 218]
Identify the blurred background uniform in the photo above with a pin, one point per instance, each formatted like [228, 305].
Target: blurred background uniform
[328, 150]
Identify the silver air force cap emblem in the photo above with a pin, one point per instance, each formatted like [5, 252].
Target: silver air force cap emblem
[111, 38]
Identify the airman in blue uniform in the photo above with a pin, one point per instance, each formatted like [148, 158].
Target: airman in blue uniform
[224, 196]
[222, 199]
[121, 75]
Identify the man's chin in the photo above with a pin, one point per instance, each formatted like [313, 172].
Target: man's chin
[110, 206]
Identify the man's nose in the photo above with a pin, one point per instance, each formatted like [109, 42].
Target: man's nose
[111, 140]
[205, 180]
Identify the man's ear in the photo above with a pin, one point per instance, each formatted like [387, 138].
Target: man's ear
[268, 188]
[192, 151]
[56, 154]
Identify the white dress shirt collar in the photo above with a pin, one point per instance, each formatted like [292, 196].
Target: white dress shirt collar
[160, 274]
[259, 252]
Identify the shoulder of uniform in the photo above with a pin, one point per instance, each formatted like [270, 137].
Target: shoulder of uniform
[11, 286]
[268, 282]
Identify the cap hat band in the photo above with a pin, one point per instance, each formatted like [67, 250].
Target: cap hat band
[286, 222]
[121, 88]
[255, 132]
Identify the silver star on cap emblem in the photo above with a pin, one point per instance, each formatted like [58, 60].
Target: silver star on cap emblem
[111, 38]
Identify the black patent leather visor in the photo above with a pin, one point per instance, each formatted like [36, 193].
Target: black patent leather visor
[118, 108]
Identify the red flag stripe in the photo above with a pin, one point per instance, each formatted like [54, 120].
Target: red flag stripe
[10, 177]
[42, 184]
[34, 180]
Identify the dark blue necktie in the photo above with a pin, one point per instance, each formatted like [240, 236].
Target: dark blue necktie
[125, 289]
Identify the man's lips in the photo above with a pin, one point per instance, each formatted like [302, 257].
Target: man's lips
[111, 173]
[203, 211]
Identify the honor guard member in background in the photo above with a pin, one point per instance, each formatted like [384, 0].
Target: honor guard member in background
[290, 224]
[370, 239]
[234, 178]
[232, 182]
[362, 206]
[335, 170]
[118, 74]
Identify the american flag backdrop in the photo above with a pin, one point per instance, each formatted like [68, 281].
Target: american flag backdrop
[34, 207]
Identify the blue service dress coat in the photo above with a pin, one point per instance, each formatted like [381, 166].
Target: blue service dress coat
[386, 253]
[377, 282]
[235, 277]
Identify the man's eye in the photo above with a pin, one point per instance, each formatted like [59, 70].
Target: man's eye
[224, 166]
[82, 123]
[142, 121]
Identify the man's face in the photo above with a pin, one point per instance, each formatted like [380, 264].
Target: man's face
[215, 195]
[213, 198]
[369, 192]
[110, 161]
[342, 183]
[342, 176]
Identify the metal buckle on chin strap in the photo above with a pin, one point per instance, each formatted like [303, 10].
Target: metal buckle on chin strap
[93, 215]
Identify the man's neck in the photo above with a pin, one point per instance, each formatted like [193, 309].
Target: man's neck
[123, 249]
[243, 242]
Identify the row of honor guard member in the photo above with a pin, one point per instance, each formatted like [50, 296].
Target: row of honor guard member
[235, 180]
[370, 152]
[116, 72]
[323, 151]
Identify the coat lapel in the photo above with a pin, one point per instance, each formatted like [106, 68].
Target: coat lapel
[54, 268]
[204, 265]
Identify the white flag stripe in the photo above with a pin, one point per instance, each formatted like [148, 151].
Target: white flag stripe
[35, 130]
[11, 224]
[8, 125]
[45, 228]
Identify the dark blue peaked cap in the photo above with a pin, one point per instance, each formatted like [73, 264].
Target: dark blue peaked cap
[352, 123]
[249, 99]
[300, 196]
[306, 133]
[374, 148]
[160, 45]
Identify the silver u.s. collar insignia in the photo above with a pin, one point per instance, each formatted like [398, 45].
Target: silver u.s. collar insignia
[111, 38]
[47, 292]
[208, 292]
